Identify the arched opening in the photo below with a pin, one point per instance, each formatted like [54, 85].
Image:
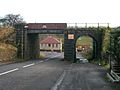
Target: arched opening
[86, 47]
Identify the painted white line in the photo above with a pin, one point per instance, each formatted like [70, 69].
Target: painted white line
[57, 56]
[28, 65]
[41, 61]
[9, 71]
[59, 81]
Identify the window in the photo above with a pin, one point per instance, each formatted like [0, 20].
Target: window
[49, 45]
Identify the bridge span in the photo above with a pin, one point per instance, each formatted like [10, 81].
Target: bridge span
[27, 38]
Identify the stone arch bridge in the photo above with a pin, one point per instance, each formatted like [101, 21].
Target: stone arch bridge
[27, 39]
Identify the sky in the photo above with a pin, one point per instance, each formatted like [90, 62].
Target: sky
[64, 11]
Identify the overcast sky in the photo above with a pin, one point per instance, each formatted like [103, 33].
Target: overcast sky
[68, 11]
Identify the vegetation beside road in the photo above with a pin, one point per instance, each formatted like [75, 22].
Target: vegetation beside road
[8, 49]
[42, 55]
[7, 52]
[114, 48]
[105, 47]
[5, 32]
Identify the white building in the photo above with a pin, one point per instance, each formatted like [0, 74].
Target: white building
[50, 44]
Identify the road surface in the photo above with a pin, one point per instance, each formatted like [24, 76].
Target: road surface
[54, 74]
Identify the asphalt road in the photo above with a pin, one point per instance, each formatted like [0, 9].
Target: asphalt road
[54, 74]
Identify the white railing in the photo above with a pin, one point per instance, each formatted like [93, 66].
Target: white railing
[86, 25]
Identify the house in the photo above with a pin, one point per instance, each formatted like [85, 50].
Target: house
[51, 44]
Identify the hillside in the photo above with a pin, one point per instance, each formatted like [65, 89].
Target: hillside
[7, 50]
[84, 40]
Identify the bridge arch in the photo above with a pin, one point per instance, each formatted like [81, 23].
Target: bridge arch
[94, 44]
[70, 44]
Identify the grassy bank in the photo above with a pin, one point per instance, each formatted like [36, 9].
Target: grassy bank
[7, 52]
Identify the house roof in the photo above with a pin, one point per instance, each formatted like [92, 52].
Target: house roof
[50, 40]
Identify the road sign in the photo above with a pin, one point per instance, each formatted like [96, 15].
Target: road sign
[70, 36]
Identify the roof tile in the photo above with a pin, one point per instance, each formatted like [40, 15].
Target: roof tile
[50, 40]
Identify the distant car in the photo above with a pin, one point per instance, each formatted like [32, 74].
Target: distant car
[81, 60]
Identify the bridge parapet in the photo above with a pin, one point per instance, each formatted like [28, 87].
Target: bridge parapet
[48, 26]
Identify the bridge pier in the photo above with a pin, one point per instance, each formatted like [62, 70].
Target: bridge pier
[32, 46]
[28, 44]
[20, 40]
[69, 48]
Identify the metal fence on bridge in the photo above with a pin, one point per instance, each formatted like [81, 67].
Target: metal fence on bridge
[87, 25]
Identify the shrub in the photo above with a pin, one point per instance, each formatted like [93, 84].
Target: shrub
[7, 52]
[42, 55]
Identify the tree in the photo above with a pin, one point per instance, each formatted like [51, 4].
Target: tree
[11, 20]
[115, 46]
[106, 39]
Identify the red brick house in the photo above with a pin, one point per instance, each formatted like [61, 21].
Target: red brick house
[50, 44]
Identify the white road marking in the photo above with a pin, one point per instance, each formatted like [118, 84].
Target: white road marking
[9, 71]
[57, 56]
[28, 65]
[59, 81]
[41, 61]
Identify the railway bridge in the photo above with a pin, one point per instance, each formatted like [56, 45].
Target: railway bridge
[27, 38]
